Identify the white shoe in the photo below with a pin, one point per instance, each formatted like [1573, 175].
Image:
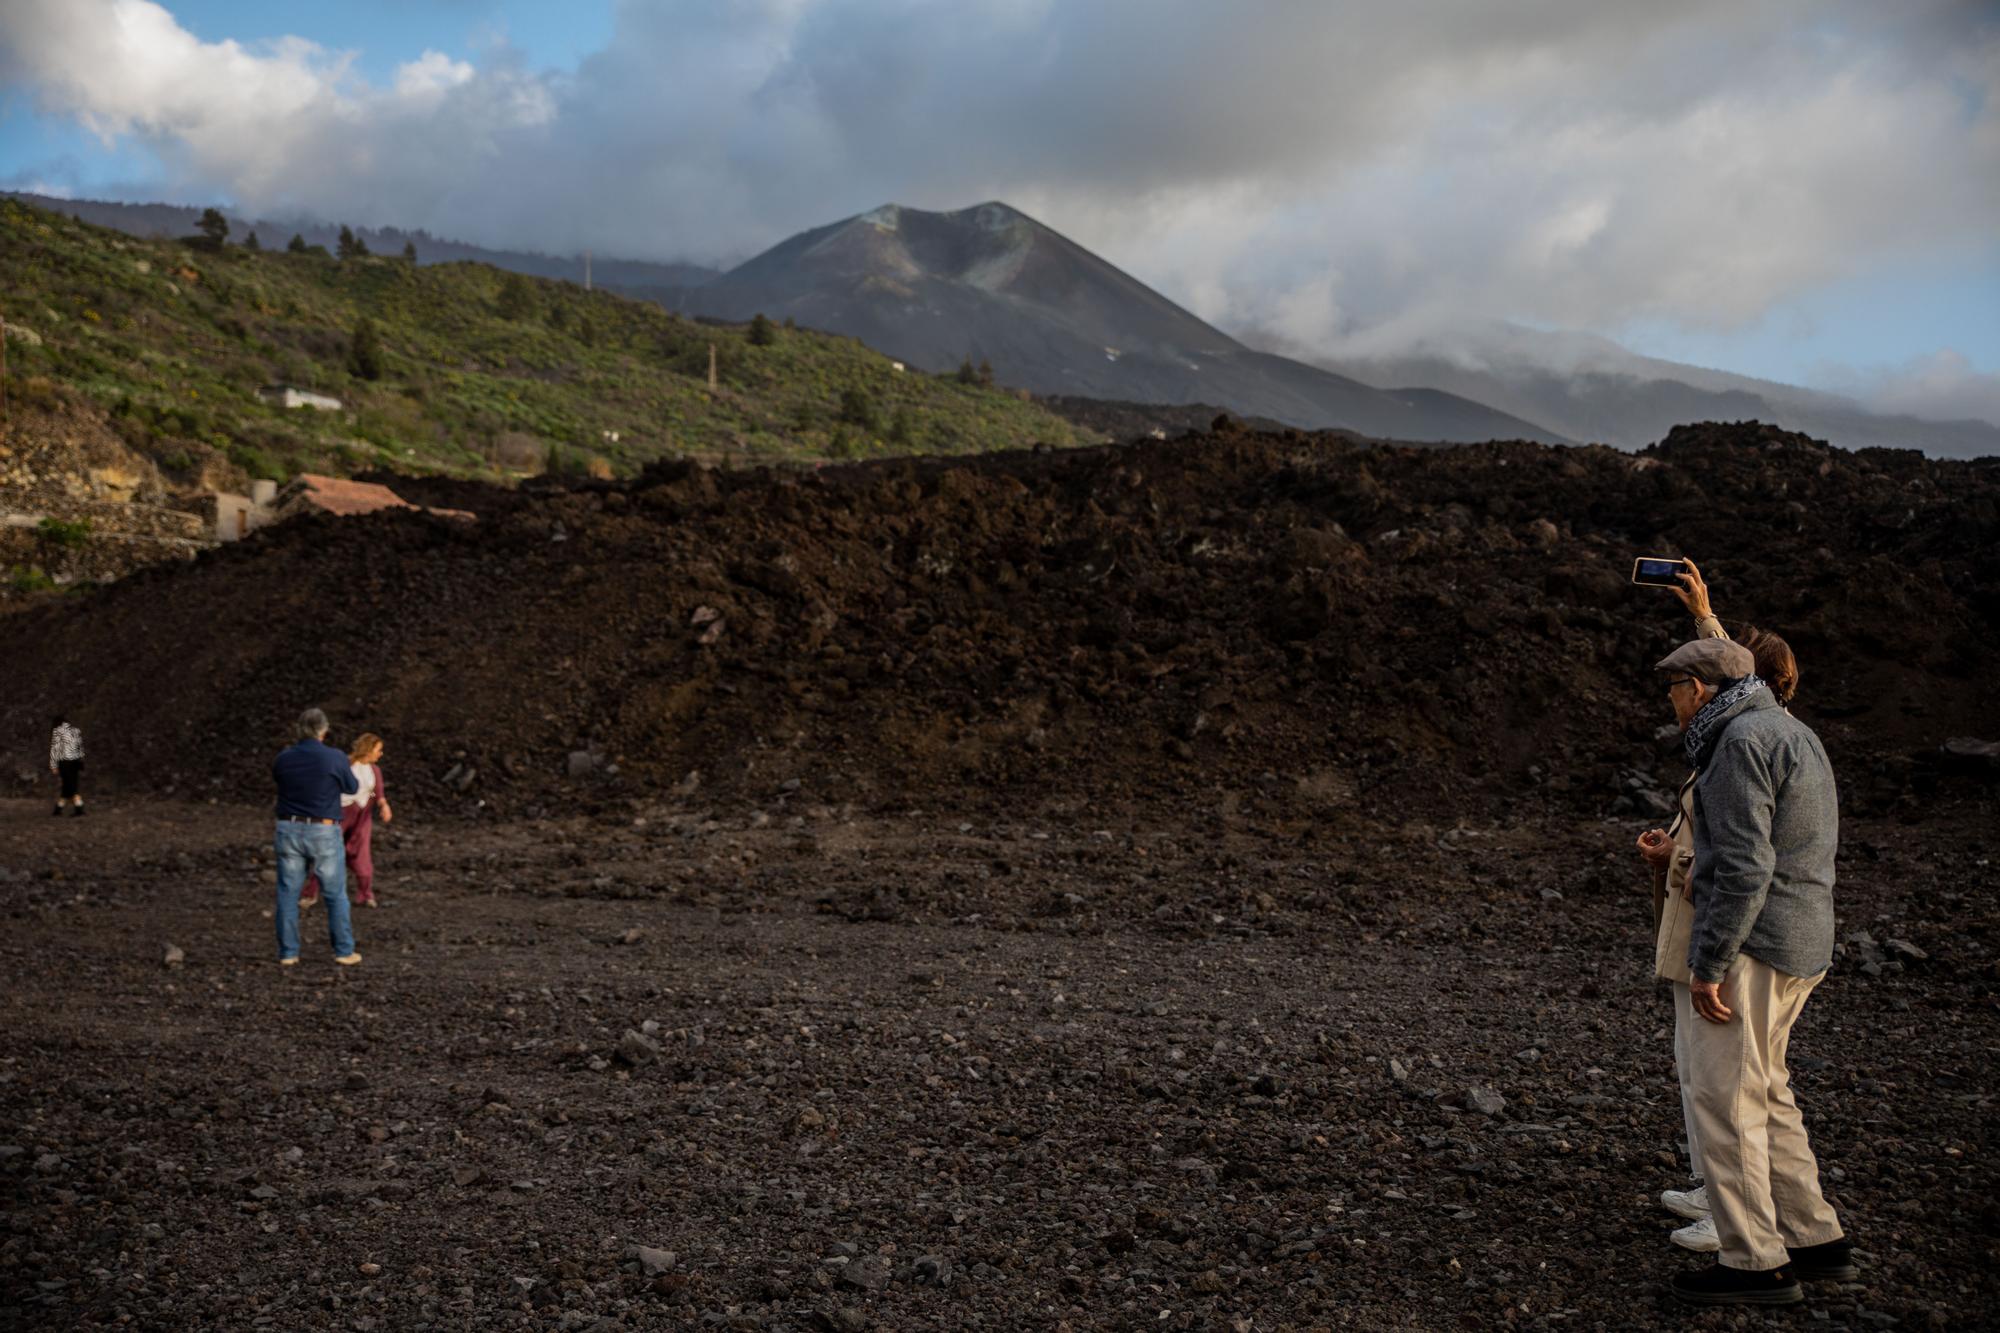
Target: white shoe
[1698, 1236]
[1691, 1204]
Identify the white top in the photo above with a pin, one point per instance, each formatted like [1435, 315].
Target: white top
[65, 742]
[365, 775]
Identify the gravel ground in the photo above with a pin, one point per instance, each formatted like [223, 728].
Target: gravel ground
[798, 1068]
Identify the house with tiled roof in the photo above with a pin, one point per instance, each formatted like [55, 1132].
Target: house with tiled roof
[309, 492]
[343, 497]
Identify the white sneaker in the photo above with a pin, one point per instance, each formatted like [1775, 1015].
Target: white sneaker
[1691, 1204]
[1698, 1236]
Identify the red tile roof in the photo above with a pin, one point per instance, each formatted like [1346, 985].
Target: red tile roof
[337, 495]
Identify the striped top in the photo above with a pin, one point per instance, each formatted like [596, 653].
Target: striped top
[65, 742]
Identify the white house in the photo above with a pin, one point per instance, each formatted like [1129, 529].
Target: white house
[233, 517]
[286, 396]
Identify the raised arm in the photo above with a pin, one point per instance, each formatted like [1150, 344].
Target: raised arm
[1693, 592]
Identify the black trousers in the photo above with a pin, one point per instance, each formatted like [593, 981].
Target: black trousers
[71, 772]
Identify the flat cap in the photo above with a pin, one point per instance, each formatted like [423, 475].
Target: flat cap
[1711, 661]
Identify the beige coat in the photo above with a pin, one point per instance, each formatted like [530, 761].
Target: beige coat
[1673, 910]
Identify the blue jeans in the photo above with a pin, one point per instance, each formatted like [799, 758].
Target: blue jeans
[312, 849]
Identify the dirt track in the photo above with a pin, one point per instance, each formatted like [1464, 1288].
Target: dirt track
[913, 1075]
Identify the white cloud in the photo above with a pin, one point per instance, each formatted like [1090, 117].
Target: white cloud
[1343, 173]
[431, 76]
[1943, 386]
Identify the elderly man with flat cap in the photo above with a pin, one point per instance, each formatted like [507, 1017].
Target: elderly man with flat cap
[1766, 822]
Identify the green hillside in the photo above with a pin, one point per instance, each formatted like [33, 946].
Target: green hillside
[477, 370]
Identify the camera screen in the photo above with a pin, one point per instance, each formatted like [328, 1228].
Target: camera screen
[1659, 568]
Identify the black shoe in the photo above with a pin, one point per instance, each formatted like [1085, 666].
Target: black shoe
[57, 812]
[79, 812]
[1831, 1262]
[1716, 1285]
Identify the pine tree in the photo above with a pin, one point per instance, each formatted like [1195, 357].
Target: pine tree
[966, 373]
[985, 373]
[214, 228]
[251, 242]
[297, 245]
[762, 331]
[410, 251]
[364, 351]
[350, 246]
[857, 408]
[517, 298]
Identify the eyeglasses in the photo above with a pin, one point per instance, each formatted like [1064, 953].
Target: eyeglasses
[1679, 680]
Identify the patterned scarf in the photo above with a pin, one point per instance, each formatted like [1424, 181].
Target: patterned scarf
[1712, 715]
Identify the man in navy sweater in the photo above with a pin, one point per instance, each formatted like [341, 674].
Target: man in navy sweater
[312, 776]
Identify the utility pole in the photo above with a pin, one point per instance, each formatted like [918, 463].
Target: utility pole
[711, 367]
[586, 270]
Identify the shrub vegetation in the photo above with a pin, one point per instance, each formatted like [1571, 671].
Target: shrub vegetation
[174, 342]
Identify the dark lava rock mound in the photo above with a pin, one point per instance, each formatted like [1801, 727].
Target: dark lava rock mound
[1298, 624]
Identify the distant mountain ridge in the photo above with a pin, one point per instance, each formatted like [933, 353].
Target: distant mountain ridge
[632, 277]
[1591, 388]
[989, 283]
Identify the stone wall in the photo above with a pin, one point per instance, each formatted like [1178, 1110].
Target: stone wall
[109, 517]
[99, 558]
[65, 463]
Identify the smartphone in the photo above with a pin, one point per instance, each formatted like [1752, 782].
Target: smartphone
[1658, 571]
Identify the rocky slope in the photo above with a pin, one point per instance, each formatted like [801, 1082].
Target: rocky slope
[1332, 624]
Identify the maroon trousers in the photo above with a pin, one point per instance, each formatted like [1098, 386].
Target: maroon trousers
[357, 834]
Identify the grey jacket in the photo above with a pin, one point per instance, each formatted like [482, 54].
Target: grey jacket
[1766, 823]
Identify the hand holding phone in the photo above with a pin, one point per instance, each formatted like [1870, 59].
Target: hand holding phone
[1658, 571]
[1693, 593]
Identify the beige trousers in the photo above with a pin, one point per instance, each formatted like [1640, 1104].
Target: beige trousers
[1763, 1184]
[1684, 1020]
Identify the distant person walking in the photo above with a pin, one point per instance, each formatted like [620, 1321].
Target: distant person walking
[357, 822]
[311, 777]
[1766, 821]
[66, 762]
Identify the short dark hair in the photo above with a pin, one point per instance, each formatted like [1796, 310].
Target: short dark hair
[60, 719]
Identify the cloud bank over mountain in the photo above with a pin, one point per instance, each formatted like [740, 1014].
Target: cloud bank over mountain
[1342, 175]
[1942, 386]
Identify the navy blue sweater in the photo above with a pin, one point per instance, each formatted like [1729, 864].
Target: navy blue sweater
[311, 777]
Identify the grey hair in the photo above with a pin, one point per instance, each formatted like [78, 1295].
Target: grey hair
[312, 724]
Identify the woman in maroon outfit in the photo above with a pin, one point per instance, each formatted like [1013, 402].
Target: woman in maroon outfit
[357, 823]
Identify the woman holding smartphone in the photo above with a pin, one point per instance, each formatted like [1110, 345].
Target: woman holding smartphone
[1669, 854]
